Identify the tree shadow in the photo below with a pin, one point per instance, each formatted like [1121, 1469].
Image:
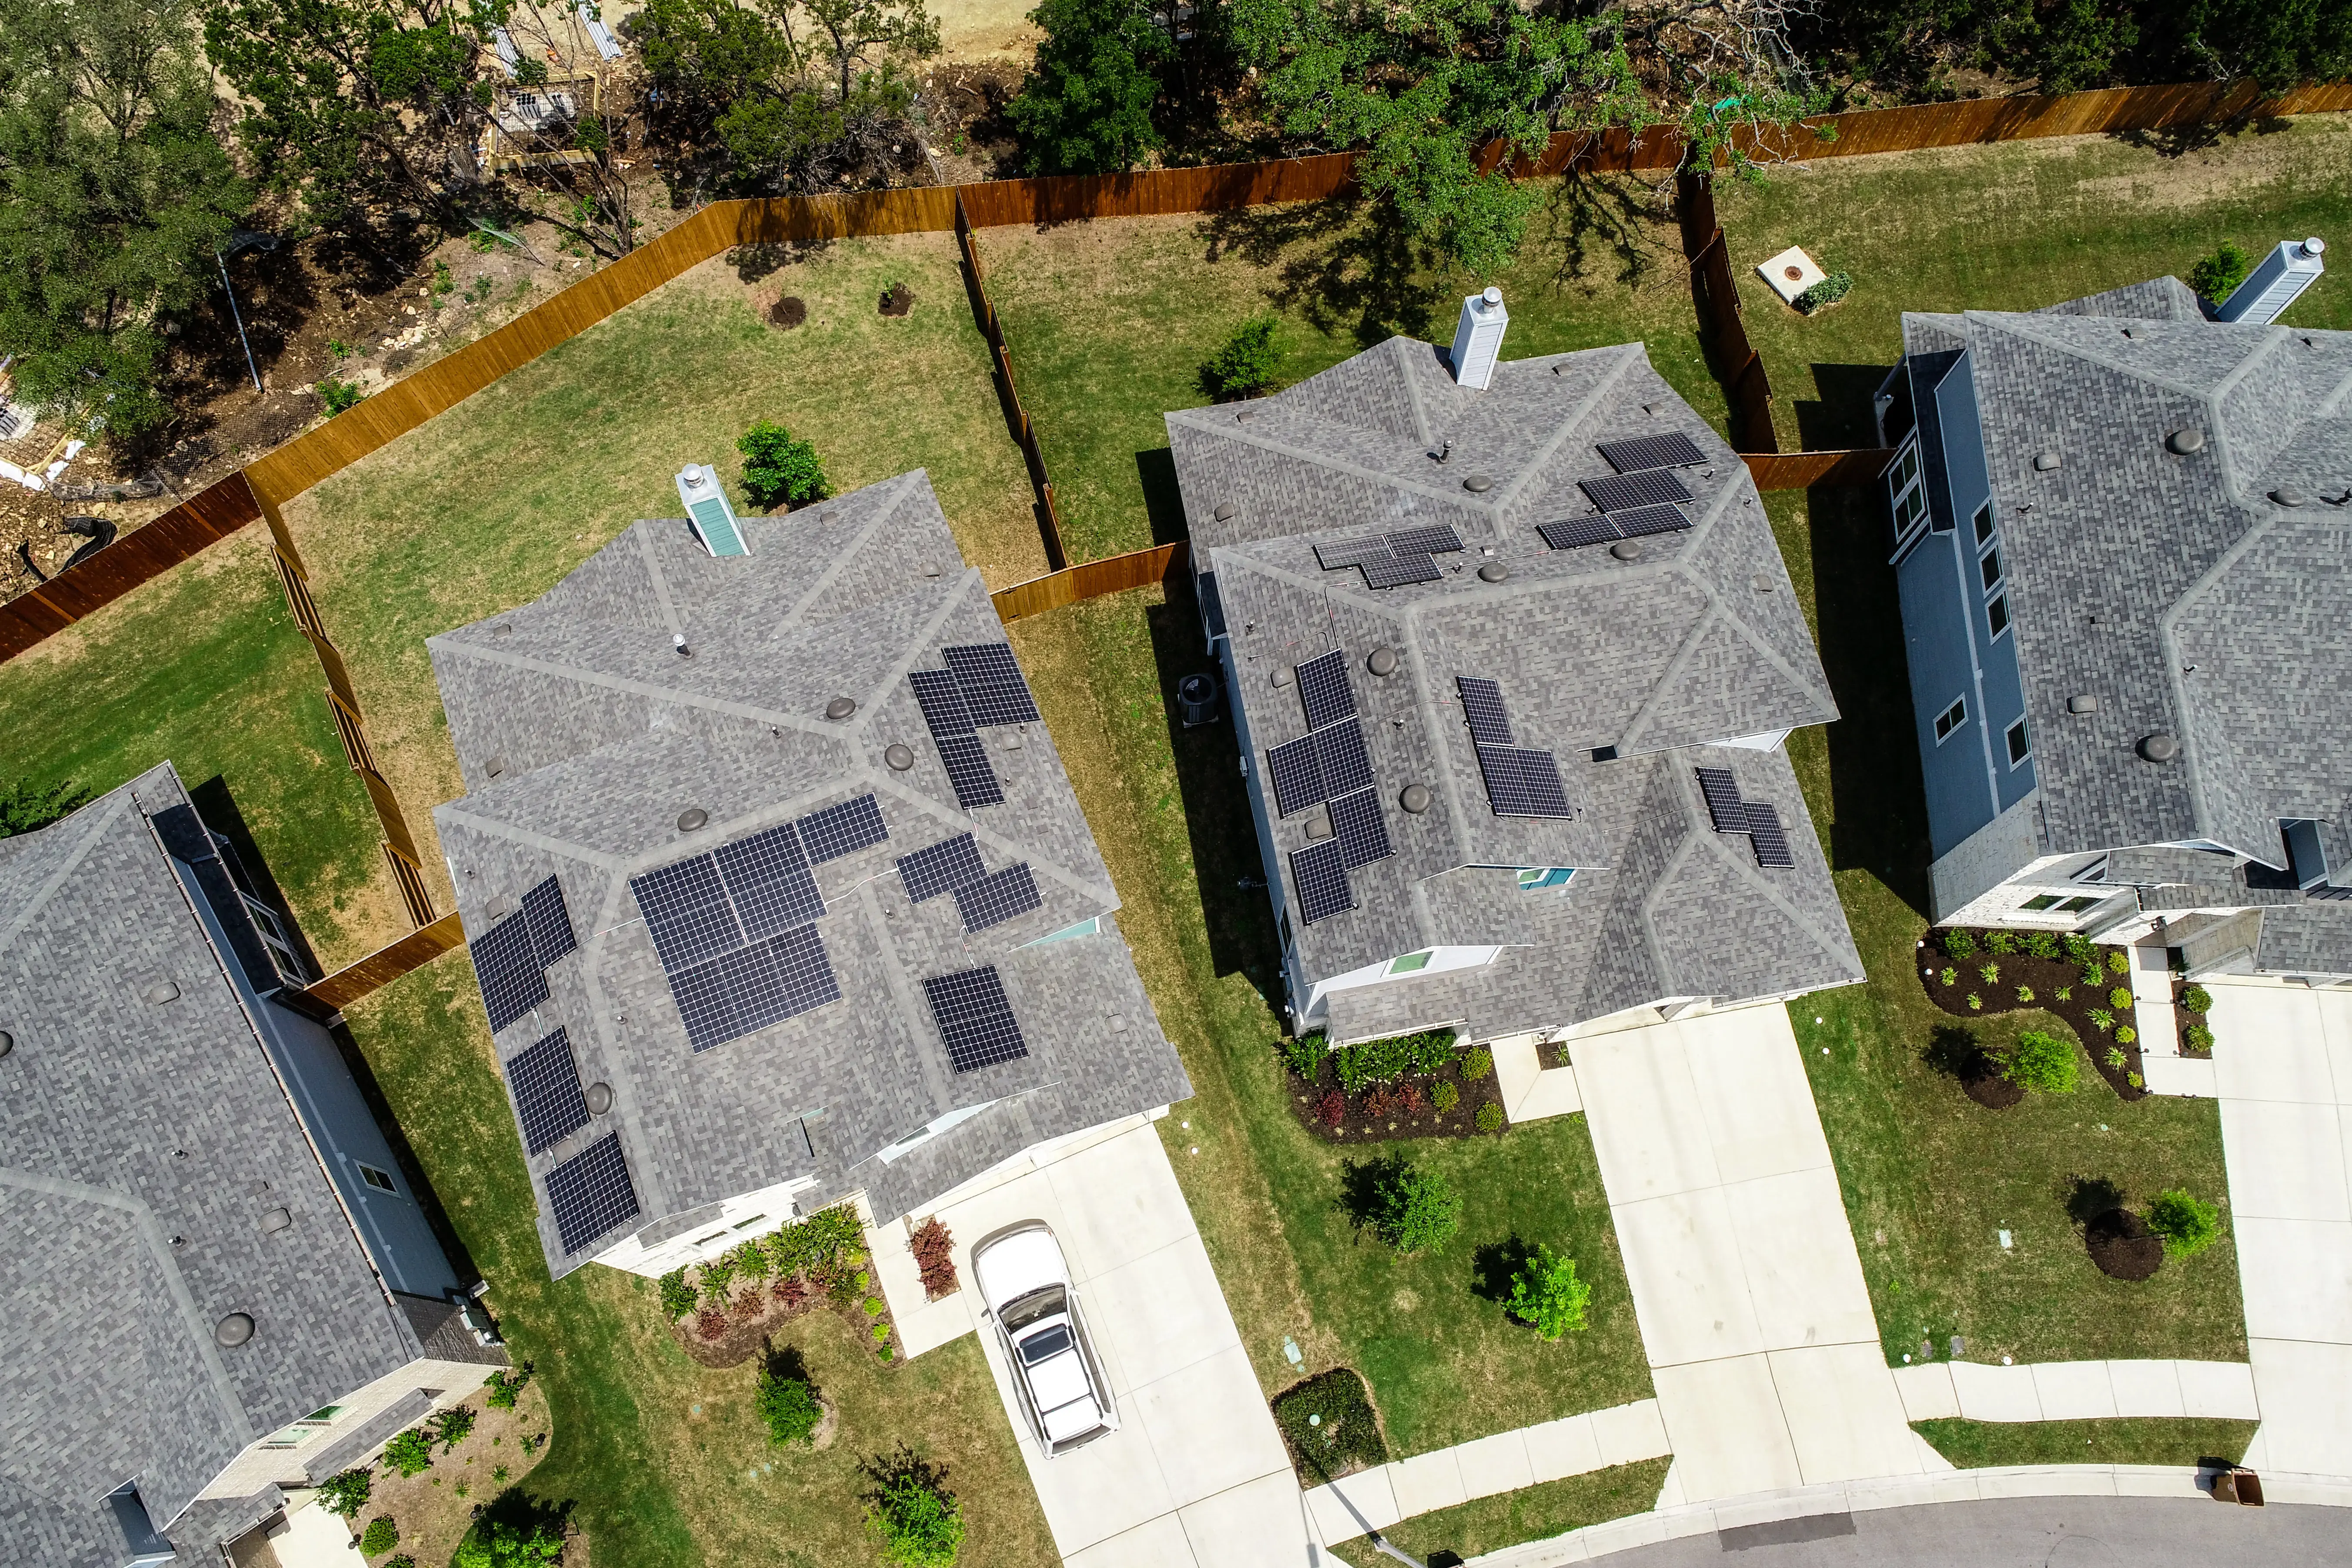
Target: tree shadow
[217, 806]
[1842, 417]
[901, 1468]
[2088, 1197]
[1345, 266]
[1495, 1267]
[1360, 1184]
[519, 1510]
[1954, 1050]
[2179, 140]
[785, 1364]
[1592, 218]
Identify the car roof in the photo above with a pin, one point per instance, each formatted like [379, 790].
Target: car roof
[1012, 1265]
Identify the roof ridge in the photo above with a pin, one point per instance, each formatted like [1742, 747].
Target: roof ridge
[1573, 420]
[118, 801]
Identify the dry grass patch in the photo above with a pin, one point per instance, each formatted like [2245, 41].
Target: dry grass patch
[434, 1508]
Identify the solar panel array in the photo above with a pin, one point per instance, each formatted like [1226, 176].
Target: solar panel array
[1331, 763]
[591, 1194]
[943, 867]
[981, 686]
[1671, 451]
[546, 1084]
[511, 959]
[1357, 824]
[1324, 691]
[974, 1019]
[1321, 870]
[743, 991]
[842, 829]
[997, 898]
[1623, 492]
[1636, 522]
[768, 876]
[1756, 818]
[1520, 780]
[1388, 560]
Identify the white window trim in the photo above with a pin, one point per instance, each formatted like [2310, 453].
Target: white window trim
[2006, 620]
[2019, 758]
[1960, 703]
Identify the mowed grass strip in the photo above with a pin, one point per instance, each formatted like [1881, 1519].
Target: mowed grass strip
[1930, 1178]
[494, 503]
[1533, 1513]
[1429, 1332]
[2121, 1440]
[2011, 226]
[663, 1461]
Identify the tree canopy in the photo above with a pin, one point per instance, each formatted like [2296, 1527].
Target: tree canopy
[1086, 106]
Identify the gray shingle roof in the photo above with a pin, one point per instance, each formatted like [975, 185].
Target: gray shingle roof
[1698, 640]
[582, 735]
[143, 1141]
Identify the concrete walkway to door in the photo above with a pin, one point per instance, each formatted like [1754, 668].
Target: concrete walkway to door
[1749, 1293]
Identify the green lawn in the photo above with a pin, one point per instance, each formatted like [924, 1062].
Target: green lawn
[1930, 1178]
[2126, 1440]
[2012, 227]
[1532, 1513]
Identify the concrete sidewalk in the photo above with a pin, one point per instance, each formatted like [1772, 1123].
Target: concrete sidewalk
[2077, 1390]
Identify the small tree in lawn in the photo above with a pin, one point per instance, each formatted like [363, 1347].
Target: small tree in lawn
[2042, 1063]
[1414, 1210]
[911, 1513]
[1547, 1293]
[346, 1491]
[789, 1409]
[779, 471]
[1246, 361]
[2188, 1225]
[2217, 276]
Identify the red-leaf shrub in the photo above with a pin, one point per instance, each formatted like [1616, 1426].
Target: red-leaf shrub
[1333, 1108]
[710, 1323]
[932, 1247]
[1413, 1099]
[1381, 1101]
[791, 1289]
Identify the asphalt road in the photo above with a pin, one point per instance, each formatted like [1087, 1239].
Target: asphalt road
[2025, 1532]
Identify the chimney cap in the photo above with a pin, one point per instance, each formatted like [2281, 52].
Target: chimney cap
[2313, 245]
[1494, 296]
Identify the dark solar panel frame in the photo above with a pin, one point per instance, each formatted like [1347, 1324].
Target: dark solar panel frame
[768, 877]
[1523, 783]
[993, 900]
[974, 1019]
[1764, 835]
[1482, 706]
[1297, 776]
[1672, 450]
[805, 969]
[509, 972]
[1576, 532]
[942, 868]
[1340, 757]
[993, 687]
[1324, 691]
[1724, 807]
[754, 990]
[1357, 824]
[842, 829]
[685, 910]
[705, 1004]
[1352, 551]
[942, 699]
[1401, 570]
[552, 935]
[591, 1194]
[1641, 520]
[1623, 492]
[1320, 871]
[1436, 539]
[975, 781]
[546, 1085]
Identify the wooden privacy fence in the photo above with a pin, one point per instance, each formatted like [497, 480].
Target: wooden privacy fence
[388, 964]
[1091, 579]
[1016, 419]
[1804, 470]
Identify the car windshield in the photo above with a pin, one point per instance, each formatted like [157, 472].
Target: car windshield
[1047, 1342]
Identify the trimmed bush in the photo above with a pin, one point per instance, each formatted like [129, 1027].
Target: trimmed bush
[1446, 1096]
[1990, 974]
[2197, 1000]
[2094, 976]
[789, 1407]
[751, 1261]
[1490, 1118]
[380, 1537]
[2042, 944]
[678, 1297]
[779, 471]
[500, 1544]
[2217, 276]
[2126, 1035]
[1246, 361]
[1478, 1066]
[1833, 286]
[1959, 944]
[410, 1453]
[2199, 1036]
[346, 1493]
[2116, 962]
[1333, 1108]
[2043, 1064]
[2188, 1225]
[504, 1385]
[1305, 1053]
[1546, 1294]
[2000, 943]
[1414, 1210]
[911, 1513]
[2120, 999]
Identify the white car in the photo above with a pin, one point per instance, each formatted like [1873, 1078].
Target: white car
[1024, 1287]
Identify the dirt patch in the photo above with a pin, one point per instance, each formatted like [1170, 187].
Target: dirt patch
[898, 299]
[1982, 1081]
[434, 1508]
[2123, 1246]
[2021, 981]
[788, 312]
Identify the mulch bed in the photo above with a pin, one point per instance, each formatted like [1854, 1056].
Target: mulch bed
[2046, 977]
[898, 300]
[756, 1309]
[434, 1508]
[2184, 1020]
[788, 312]
[2123, 1246]
[1408, 1109]
[1329, 1426]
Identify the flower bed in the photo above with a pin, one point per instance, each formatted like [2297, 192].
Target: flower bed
[724, 1310]
[1407, 1085]
[1969, 973]
[2191, 1015]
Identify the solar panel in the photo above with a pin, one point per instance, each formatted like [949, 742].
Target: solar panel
[686, 912]
[1575, 532]
[591, 1194]
[808, 974]
[768, 877]
[546, 1084]
[1399, 570]
[1438, 539]
[551, 923]
[974, 1019]
[1298, 776]
[842, 829]
[1521, 782]
[968, 770]
[1671, 451]
[511, 980]
[944, 867]
[754, 990]
[705, 1004]
[1623, 492]
[1724, 807]
[1352, 551]
[1340, 756]
[992, 684]
[1321, 872]
[1635, 522]
[941, 695]
[1764, 832]
[1324, 691]
[1482, 705]
[992, 900]
[1357, 824]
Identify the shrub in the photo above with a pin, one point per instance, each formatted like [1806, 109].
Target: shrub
[1547, 1293]
[1446, 1096]
[2001, 943]
[2079, 948]
[881, 1332]
[1246, 361]
[346, 1493]
[403, 1560]
[1329, 1422]
[934, 1250]
[710, 1323]
[911, 1513]
[2101, 1020]
[2125, 1035]
[2199, 1036]
[751, 1261]
[410, 1453]
[2120, 999]
[500, 1544]
[2043, 1063]
[1378, 1062]
[504, 1385]
[1833, 286]
[2116, 962]
[789, 1407]
[1414, 1101]
[2042, 944]
[1490, 1118]
[380, 1537]
[874, 1308]
[1951, 977]
[2115, 1057]
[779, 471]
[1333, 1108]
[2134, 1080]
[338, 395]
[2197, 1000]
[2188, 1225]
[1976, 1003]
[1478, 1065]
[1990, 974]
[717, 1277]
[1414, 1210]
[2063, 993]
[2026, 993]
[2217, 275]
[451, 1425]
[1305, 1053]
[678, 1297]
[2094, 976]
[1381, 1101]
[1959, 944]
[827, 1239]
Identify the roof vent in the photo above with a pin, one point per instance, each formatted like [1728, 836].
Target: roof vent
[1493, 572]
[1224, 512]
[233, 1331]
[2186, 441]
[499, 908]
[692, 819]
[712, 518]
[7, 1042]
[1478, 339]
[678, 641]
[1604, 753]
[504, 628]
[1762, 583]
[599, 1097]
[1383, 661]
[2287, 495]
[1626, 550]
[1282, 676]
[2044, 461]
[1477, 484]
[1416, 798]
[162, 991]
[900, 759]
[1319, 826]
[495, 766]
[2159, 747]
[840, 707]
[276, 1220]
[2086, 703]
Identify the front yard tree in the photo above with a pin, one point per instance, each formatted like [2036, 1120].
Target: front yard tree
[114, 191]
[2043, 1063]
[1546, 1294]
[1086, 106]
[1414, 1210]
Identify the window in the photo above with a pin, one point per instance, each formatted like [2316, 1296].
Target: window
[380, 1180]
[1907, 508]
[2075, 905]
[1534, 876]
[1991, 565]
[748, 1224]
[1997, 614]
[2018, 747]
[1408, 964]
[1951, 719]
[1904, 494]
[2039, 903]
[1984, 523]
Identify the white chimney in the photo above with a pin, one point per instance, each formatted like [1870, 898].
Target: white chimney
[1478, 341]
[2272, 285]
[705, 502]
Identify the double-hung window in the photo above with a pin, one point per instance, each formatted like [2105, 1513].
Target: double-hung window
[1951, 719]
[2020, 747]
[1906, 491]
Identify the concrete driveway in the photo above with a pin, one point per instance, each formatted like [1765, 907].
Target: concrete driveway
[1746, 1282]
[1196, 1476]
